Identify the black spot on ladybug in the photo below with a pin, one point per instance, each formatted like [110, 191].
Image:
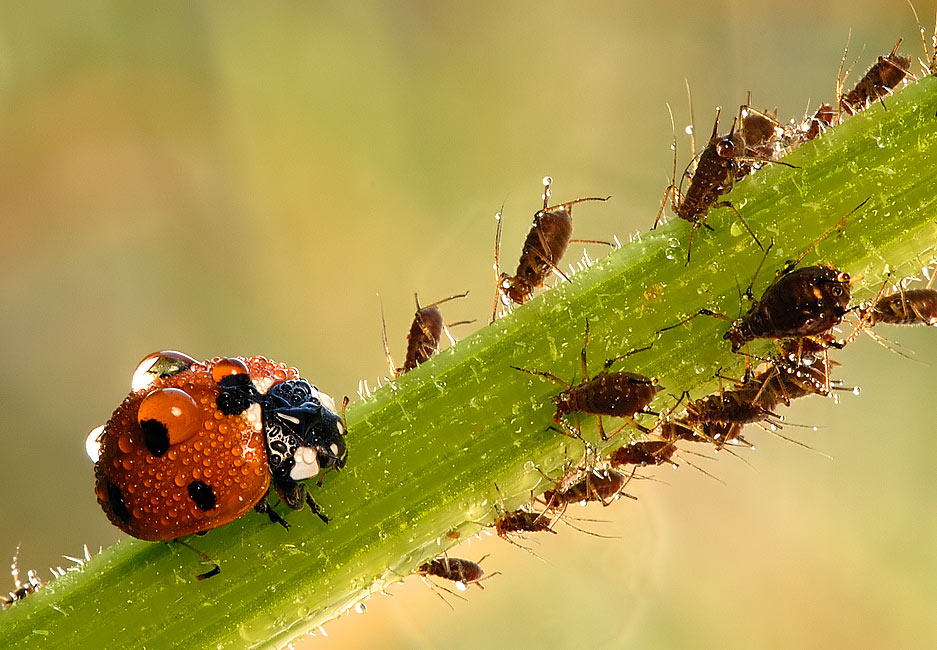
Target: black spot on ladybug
[237, 394]
[202, 494]
[155, 437]
[116, 502]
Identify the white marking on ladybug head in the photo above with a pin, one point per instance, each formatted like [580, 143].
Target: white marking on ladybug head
[93, 443]
[326, 400]
[288, 418]
[305, 463]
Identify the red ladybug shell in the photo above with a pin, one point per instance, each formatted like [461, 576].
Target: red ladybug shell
[169, 462]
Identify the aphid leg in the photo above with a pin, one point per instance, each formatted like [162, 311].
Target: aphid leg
[672, 188]
[544, 374]
[215, 570]
[701, 312]
[728, 204]
[791, 264]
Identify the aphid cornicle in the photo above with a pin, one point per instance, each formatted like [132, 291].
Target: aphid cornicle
[546, 242]
[423, 337]
[884, 75]
[716, 172]
[618, 394]
[197, 444]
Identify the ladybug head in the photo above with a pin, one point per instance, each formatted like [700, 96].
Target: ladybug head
[303, 434]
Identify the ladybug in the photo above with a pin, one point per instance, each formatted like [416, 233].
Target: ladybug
[197, 444]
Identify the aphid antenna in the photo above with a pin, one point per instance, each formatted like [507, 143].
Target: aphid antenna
[499, 295]
[391, 367]
[566, 205]
[689, 101]
[215, 570]
[841, 79]
[793, 441]
[419, 308]
[929, 63]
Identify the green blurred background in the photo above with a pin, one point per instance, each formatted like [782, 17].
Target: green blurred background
[236, 178]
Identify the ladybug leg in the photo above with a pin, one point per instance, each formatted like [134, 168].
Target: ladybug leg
[295, 496]
[264, 507]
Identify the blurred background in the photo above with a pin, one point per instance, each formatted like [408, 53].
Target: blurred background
[231, 178]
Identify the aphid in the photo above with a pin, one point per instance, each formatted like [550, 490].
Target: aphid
[197, 444]
[618, 394]
[716, 171]
[423, 338]
[462, 572]
[761, 132]
[911, 307]
[544, 247]
[642, 453]
[884, 75]
[819, 122]
[21, 589]
[602, 485]
[522, 521]
[801, 302]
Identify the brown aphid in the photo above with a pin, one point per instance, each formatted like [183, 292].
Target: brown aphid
[602, 485]
[716, 171]
[424, 336]
[453, 569]
[745, 404]
[618, 394]
[809, 301]
[911, 307]
[819, 122]
[21, 589]
[884, 75]
[544, 247]
[761, 132]
[642, 453]
[522, 521]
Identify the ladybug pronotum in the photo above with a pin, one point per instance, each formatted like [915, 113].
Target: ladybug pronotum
[197, 444]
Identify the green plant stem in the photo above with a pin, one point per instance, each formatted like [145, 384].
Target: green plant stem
[427, 451]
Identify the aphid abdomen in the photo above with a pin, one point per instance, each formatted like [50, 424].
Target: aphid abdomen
[620, 394]
[423, 339]
[545, 245]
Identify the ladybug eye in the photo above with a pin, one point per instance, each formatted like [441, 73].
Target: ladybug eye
[167, 417]
[227, 367]
[158, 365]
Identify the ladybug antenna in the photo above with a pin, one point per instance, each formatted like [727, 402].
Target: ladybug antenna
[215, 570]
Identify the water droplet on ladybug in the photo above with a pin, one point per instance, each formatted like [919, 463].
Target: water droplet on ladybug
[168, 416]
[226, 367]
[157, 366]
